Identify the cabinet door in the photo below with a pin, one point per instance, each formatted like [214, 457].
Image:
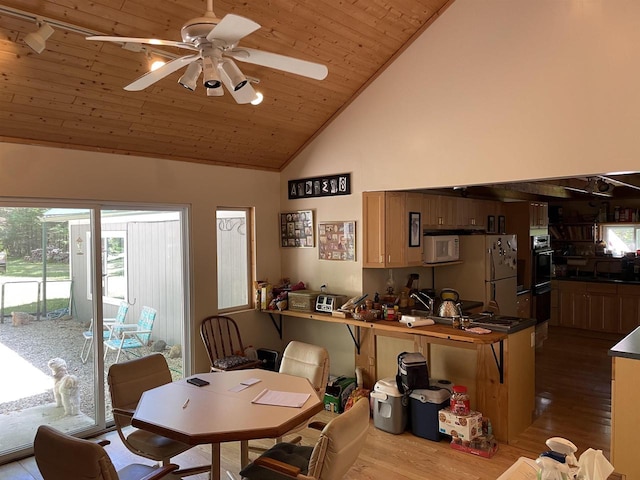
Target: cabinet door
[430, 211]
[523, 305]
[447, 212]
[538, 214]
[604, 307]
[629, 308]
[374, 231]
[397, 226]
[572, 304]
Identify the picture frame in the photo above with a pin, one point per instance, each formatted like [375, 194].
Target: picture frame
[297, 229]
[415, 229]
[502, 227]
[491, 224]
[337, 241]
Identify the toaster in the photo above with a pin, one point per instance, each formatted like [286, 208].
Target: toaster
[327, 303]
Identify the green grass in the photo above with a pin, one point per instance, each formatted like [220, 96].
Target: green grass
[22, 268]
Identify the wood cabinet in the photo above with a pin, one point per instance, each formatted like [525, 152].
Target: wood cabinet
[523, 305]
[602, 307]
[385, 218]
[538, 214]
[527, 215]
[443, 212]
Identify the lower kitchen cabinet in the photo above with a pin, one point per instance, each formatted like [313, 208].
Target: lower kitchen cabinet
[602, 307]
[523, 305]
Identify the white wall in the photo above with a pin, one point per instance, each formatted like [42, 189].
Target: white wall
[48, 173]
[493, 91]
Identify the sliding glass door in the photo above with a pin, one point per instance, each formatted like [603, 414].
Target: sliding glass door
[68, 276]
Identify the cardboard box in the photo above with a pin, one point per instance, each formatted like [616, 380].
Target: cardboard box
[465, 427]
[337, 394]
[303, 300]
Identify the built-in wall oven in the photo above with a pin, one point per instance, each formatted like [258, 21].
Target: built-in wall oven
[542, 264]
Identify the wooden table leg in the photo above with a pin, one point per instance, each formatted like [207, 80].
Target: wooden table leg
[244, 453]
[215, 461]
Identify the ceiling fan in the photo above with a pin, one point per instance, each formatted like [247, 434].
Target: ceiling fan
[214, 42]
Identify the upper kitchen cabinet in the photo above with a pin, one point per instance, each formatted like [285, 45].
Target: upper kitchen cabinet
[442, 212]
[386, 229]
[538, 214]
[532, 216]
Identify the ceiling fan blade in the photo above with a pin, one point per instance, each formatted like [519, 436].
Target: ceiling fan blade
[152, 77]
[244, 95]
[149, 41]
[232, 28]
[280, 62]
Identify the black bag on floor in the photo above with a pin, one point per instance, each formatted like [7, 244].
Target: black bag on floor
[413, 372]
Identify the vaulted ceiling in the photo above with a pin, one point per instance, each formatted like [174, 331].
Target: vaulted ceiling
[71, 95]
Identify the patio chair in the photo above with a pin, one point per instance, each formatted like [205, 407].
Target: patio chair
[125, 337]
[106, 333]
[222, 340]
[61, 457]
[333, 455]
[127, 382]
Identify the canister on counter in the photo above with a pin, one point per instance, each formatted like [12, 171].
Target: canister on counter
[460, 403]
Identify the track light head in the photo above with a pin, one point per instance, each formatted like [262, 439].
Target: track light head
[211, 77]
[215, 92]
[38, 40]
[237, 79]
[189, 79]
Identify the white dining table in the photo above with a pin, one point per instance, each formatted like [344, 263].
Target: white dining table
[222, 411]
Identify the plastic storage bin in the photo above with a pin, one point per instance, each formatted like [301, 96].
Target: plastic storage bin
[390, 407]
[424, 407]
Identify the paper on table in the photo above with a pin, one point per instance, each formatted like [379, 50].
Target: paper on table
[282, 399]
[239, 387]
[523, 469]
[250, 381]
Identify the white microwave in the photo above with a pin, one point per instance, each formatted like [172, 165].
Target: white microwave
[441, 248]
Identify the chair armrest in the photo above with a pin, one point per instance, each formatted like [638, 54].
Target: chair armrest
[161, 472]
[123, 326]
[277, 466]
[126, 412]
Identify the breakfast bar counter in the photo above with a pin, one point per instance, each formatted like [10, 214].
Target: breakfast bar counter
[502, 364]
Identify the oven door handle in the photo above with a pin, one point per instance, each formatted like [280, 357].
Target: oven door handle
[542, 290]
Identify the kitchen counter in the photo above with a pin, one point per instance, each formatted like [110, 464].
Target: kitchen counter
[498, 367]
[612, 278]
[628, 347]
[625, 397]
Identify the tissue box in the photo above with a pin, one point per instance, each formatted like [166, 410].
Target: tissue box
[465, 427]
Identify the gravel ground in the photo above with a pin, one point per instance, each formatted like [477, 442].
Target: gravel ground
[41, 340]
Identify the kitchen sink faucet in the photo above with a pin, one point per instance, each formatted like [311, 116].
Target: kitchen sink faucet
[424, 299]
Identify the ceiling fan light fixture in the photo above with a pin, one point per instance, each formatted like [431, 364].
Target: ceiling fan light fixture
[38, 40]
[189, 79]
[215, 92]
[258, 99]
[237, 78]
[211, 77]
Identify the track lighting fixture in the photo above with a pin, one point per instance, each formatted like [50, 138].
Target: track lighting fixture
[237, 79]
[215, 92]
[211, 77]
[37, 40]
[189, 79]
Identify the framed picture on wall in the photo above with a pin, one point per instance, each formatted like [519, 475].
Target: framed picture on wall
[502, 227]
[337, 241]
[296, 229]
[415, 229]
[491, 224]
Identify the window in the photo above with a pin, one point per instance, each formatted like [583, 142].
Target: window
[621, 238]
[234, 258]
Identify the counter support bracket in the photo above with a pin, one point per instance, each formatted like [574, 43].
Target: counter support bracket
[356, 342]
[278, 324]
[500, 362]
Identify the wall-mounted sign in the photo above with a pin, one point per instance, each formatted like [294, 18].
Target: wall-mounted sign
[327, 186]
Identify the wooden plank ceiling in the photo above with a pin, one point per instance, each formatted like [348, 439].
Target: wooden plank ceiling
[71, 95]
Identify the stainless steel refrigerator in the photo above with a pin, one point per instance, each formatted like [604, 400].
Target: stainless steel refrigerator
[488, 271]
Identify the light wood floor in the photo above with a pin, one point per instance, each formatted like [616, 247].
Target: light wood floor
[573, 398]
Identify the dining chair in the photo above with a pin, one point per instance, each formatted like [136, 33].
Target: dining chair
[127, 382]
[62, 457]
[106, 330]
[338, 447]
[222, 340]
[125, 337]
[308, 361]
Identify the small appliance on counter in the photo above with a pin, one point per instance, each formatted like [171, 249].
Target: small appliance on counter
[327, 303]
